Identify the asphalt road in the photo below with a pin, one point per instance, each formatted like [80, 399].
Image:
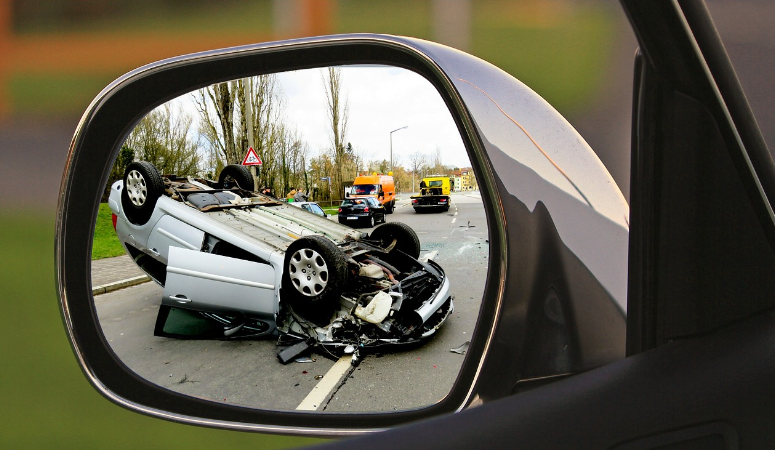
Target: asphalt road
[248, 373]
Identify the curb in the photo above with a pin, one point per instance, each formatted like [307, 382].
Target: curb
[110, 287]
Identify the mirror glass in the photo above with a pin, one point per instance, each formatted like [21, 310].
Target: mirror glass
[311, 240]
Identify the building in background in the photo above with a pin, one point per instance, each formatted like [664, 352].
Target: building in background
[464, 180]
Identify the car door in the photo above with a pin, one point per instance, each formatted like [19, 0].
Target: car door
[207, 282]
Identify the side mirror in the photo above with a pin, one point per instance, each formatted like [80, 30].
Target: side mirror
[552, 258]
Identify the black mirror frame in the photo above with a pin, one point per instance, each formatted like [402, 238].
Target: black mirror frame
[103, 128]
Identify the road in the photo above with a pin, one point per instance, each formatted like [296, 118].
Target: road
[248, 373]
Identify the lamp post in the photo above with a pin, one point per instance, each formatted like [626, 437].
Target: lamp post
[391, 145]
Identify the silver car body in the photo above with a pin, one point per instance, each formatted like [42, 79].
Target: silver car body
[180, 237]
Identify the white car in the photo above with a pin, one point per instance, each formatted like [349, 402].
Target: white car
[262, 267]
[312, 207]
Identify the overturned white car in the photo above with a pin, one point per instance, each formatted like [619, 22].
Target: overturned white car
[260, 267]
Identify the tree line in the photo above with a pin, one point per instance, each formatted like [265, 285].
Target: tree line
[249, 112]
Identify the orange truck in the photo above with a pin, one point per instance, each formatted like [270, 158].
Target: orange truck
[381, 187]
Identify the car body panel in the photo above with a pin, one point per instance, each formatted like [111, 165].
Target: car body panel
[206, 282]
[170, 232]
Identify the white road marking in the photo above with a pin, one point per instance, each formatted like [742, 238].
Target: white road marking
[325, 387]
[454, 219]
[455, 212]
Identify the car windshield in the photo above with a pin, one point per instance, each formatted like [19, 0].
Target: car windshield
[435, 183]
[364, 189]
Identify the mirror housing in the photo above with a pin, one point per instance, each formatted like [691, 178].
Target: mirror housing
[554, 300]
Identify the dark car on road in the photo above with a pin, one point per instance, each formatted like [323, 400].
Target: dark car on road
[364, 211]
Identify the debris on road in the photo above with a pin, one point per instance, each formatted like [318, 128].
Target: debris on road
[462, 349]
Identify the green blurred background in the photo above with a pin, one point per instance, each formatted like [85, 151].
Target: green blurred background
[56, 55]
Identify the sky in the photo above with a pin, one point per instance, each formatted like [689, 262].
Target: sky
[380, 99]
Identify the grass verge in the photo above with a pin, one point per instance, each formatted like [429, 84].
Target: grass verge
[106, 244]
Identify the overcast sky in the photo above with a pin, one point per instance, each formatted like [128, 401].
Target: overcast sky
[380, 99]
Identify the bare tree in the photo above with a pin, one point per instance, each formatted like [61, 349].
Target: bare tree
[438, 164]
[417, 161]
[321, 167]
[337, 115]
[249, 112]
[163, 138]
[217, 124]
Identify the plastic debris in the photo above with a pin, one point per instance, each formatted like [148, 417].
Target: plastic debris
[462, 349]
[304, 359]
[291, 353]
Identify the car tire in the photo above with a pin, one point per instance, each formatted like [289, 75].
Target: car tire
[371, 221]
[390, 206]
[235, 175]
[405, 237]
[313, 294]
[142, 188]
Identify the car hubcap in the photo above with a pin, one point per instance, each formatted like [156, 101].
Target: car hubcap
[136, 188]
[308, 272]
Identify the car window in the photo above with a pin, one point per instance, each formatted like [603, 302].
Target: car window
[317, 209]
[364, 189]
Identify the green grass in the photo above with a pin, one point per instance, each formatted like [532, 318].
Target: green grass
[54, 93]
[333, 210]
[559, 51]
[161, 17]
[106, 242]
[47, 402]
[561, 58]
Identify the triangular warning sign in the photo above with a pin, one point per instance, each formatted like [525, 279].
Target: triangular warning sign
[251, 159]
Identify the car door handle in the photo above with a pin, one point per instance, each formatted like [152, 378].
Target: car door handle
[180, 298]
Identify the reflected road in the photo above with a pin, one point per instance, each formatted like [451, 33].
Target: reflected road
[247, 372]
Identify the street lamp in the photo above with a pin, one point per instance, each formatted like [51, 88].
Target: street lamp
[391, 145]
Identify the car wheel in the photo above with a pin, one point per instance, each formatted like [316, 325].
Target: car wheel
[235, 175]
[142, 188]
[314, 274]
[371, 221]
[390, 207]
[405, 237]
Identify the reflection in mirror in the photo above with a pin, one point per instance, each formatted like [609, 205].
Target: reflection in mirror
[295, 241]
